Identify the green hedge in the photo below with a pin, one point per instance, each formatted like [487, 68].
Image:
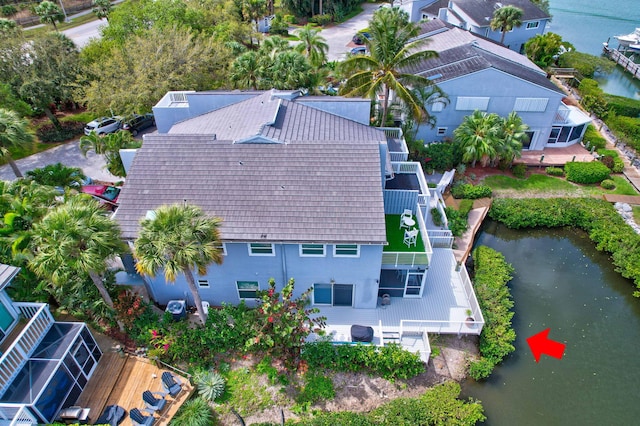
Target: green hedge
[47, 133]
[554, 171]
[492, 273]
[469, 191]
[579, 172]
[390, 361]
[593, 138]
[597, 217]
[439, 405]
[627, 129]
[623, 106]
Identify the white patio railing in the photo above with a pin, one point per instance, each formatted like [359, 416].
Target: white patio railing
[440, 238]
[476, 313]
[12, 414]
[16, 356]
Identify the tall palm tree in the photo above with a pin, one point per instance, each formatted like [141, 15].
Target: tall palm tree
[512, 135]
[245, 70]
[478, 134]
[13, 133]
[109, 146]
[312, 45]
[387, 67]
[178, 239]
[505, 18]
[76, 238]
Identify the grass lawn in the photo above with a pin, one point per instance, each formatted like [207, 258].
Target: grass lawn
[536, 183]
[636, 214]
[395, 236]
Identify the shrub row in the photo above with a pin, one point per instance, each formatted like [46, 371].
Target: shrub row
[440, 156]
[627, 129]
[437, 406]
[597, 217]
[554, 171]
[492, 273]
[390, 361]
[593, 138]
[469, 191]
[579, 172]
[615, 164]
[49, 134]
[623, 106]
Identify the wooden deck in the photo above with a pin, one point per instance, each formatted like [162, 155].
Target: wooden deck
[121, 381]
[555, 156]
[634, 200]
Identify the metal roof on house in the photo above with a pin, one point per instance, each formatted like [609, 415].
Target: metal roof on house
[322, 183]
[481, 11]
[7, 272]
[461, 52]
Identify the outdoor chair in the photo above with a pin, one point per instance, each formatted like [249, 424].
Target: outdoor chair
[171, 384]
[139, 419]
[152, 402]
[411, 237]
[407, 214]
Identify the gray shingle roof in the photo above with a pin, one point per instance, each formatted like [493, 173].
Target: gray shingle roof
[461, 52]
[7, 273]
[480, 10]
[322, 185]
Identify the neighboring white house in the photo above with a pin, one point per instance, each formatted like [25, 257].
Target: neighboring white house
[476, 16]
[479, 74]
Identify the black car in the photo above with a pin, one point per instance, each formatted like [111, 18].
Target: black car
[360, 38]
[137, 122]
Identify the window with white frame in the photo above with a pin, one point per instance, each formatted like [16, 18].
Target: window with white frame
[312, 250]
[346, 250]
[261, 249]
[437, 106]
[247, 289]
[531, 104]
[203, 283]
[442, 131]
[223, 248]
[533, 25]
[469, 103]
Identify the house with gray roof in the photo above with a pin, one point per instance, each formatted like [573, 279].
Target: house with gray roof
[479, 74]
[44, 364]
[476, 16]
[306, 189]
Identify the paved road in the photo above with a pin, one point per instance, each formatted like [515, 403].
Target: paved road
[339, 36]
[85, 32]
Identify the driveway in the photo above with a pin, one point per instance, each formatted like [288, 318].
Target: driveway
[68, 154]
[339, 36]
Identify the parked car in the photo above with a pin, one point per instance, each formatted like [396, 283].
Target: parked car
[360, 37]
[358, 51]
[103, 125]
[105, 194]
[138, 123]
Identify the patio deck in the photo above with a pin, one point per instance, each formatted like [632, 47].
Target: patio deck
[556, 156]
[441, 309]
[121, 381]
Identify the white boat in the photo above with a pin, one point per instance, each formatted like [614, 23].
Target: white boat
[633, 38]
[634, 47]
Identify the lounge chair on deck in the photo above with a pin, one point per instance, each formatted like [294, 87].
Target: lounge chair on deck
[153, 402]
[112, 415]
[171, 384]
[139, 419]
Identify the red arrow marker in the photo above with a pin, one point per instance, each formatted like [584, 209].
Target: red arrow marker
[540, 344]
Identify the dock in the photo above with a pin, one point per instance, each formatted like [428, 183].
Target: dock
[619, 58]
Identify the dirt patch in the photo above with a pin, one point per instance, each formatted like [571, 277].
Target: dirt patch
[362, 393]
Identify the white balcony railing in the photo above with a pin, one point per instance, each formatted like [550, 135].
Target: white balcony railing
[16, 415]
[16, 356]
[440, 238]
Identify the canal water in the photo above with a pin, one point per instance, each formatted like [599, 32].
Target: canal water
[589, 23]
[563, 283]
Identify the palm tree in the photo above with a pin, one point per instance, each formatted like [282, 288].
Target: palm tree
[245, 70]
[13, 133]
[58, 175]
[505, 18]
[313, 45]
[178, 239]
[478, 136]
[109, 146]
[512, 135]
[76, 238]
[392, 54]
[428, 96]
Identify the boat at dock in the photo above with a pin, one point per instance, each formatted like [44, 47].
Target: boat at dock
[629, 39]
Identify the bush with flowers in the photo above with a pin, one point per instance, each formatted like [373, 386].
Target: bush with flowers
[283, 323]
